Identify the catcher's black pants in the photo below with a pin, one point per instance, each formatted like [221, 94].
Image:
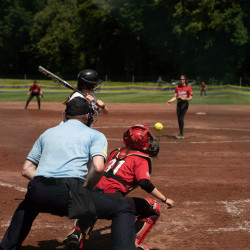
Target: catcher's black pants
[139, 205]
[182, 107]
[37, 98]
[52, 197]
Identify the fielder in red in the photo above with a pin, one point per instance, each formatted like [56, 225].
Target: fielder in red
[127, 168]
[183, 94]
[203, 88]
[34, 90]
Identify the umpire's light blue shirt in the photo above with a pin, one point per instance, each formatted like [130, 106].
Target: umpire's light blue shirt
[67, 150]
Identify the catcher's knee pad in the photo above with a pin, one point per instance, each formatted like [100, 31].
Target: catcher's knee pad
[153, 207]
[146, 221]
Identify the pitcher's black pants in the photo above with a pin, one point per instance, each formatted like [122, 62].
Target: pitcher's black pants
[182, 107]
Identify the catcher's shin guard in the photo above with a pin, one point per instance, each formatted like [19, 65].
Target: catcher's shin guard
[145, 222]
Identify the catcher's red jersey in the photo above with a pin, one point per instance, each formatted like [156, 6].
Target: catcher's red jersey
[134, 167]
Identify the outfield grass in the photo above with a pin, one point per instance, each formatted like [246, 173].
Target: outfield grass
[134, 98]
[233, 99]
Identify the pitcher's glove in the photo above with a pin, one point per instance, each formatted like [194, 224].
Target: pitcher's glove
[41, 95]
[181, 97]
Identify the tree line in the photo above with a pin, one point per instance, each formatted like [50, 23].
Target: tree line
[126, 37]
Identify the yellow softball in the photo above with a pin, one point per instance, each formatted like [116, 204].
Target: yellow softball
[158, 126]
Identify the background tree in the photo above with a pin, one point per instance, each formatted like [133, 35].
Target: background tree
[15, 23]
[54, 36]
[127, 37]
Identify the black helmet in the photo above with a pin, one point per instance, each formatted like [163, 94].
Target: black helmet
[88, 79]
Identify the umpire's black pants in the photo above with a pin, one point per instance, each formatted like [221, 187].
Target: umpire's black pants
[52, 197]
[182, 107]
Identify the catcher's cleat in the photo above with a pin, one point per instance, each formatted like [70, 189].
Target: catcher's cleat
[142, 247]
[74, 241]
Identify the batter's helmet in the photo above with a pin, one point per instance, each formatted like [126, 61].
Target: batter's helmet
[88, 79]
[139, 137]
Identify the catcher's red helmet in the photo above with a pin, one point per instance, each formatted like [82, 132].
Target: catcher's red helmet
[139, 137]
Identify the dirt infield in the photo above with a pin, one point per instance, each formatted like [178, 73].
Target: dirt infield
[207, 174]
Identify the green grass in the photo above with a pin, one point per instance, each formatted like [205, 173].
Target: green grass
[133, 98]
[115, 98]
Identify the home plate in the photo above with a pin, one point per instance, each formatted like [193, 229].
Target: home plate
[200, 113]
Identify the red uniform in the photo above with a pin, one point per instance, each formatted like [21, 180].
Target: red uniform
[203, 88]
[184, 91]
[182, 105]
[123, 173]
[131, 169]
[35, 90]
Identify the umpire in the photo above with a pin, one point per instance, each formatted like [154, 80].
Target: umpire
[57, 167]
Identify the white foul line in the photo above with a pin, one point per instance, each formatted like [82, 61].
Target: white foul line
[13, 186]
[231, 208]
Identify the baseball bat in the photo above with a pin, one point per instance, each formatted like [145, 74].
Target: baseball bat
[58, 79]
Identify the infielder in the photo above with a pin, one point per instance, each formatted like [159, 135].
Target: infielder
[57, 167]
[183, 94]
[35, 90]
[203, 89]
[127, 168]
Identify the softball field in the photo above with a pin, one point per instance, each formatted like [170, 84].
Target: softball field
[207, 174]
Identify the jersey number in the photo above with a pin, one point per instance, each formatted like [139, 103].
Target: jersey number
[116, 168]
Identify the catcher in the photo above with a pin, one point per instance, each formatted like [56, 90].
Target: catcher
[35, 90]
[127, 168]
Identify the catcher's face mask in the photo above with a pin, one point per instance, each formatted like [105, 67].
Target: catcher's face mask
[139, 137]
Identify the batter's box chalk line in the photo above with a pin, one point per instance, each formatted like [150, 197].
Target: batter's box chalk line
[13, 186]
[231, 208]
